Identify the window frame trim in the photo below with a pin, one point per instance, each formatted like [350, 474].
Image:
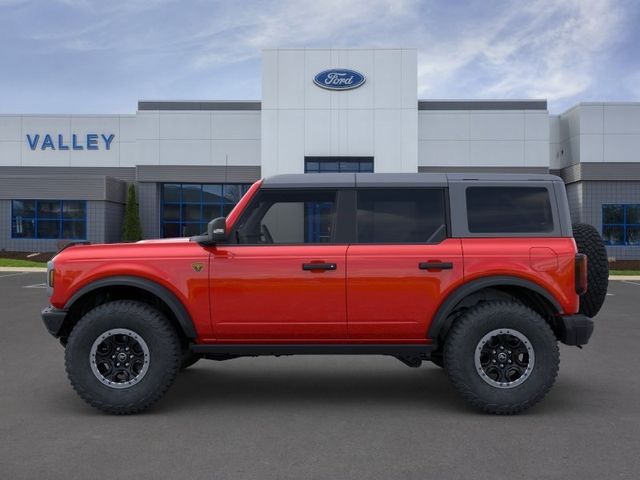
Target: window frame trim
[60, 219]
[623, 225]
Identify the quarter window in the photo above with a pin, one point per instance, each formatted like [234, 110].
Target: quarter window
[509, 210]
[288, 217]
[401, 216]
[49, 219]
[621, 224]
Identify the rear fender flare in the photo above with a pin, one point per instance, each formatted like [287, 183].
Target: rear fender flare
[441, 321]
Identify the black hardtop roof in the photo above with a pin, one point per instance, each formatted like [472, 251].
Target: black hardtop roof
[347, 180]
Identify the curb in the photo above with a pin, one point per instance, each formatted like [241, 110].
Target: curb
[23, 269]
[624, 277]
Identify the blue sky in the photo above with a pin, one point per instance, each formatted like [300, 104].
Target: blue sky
[86, 56]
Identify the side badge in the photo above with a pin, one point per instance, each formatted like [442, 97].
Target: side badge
[197, 267]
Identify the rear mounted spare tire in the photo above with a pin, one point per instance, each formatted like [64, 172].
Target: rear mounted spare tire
[590, 243]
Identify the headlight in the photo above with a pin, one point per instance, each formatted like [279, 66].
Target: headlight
[51, 276]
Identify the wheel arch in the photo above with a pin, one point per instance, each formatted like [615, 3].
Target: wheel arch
[135, 288]
[532, 294]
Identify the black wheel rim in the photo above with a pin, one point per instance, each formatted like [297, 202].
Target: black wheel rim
[119, 358]
[504, 358]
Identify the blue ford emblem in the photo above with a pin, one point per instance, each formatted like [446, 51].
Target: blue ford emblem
[339, 79]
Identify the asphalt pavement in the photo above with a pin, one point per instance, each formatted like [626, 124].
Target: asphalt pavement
[318, 417]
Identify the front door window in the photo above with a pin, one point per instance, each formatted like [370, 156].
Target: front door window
[288, 217]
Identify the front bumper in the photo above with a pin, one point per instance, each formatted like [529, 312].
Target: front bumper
[575, 329]
[54, 320]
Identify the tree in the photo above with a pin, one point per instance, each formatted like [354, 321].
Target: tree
[131, 230]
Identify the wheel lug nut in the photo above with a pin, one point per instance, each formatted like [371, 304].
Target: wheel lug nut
[494, 360]
[117, 349]
[509, 352]
[493, 351]
[126, 364]
[113, 356]
[502, 365]
[509, 361]
[117, 364]
[127, 349]
[501, 348]
[130, 356]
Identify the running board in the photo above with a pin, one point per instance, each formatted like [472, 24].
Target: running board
[421, 350]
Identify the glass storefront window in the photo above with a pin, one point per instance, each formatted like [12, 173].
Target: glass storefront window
[621, 224]
[50, 219]
[188, 207]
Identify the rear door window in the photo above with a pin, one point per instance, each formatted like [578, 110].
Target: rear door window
[401, 215]
[509, 210]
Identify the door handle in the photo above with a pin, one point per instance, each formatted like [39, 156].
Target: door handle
[319, 266]
[435, 265]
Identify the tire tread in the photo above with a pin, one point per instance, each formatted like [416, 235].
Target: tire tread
[454, 360]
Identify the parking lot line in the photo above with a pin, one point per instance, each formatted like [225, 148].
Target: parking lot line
[632, 283]
[13, 274]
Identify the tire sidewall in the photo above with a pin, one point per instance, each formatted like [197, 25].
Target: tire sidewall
[144, 322]
[512, 317]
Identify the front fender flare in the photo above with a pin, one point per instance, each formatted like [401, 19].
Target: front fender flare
[154, 288]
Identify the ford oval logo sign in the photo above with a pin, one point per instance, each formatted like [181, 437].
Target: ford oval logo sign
[339, 79]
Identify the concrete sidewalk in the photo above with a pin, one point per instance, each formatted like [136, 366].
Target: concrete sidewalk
[23, 269]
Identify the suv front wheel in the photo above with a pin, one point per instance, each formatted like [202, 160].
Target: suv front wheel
[122, 356]
[502, 357]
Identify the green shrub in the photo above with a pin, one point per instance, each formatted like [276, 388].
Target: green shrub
[131, 230]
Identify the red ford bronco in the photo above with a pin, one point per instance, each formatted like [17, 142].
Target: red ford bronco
[480, 274]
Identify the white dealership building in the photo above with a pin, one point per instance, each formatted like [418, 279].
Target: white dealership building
[64, 176]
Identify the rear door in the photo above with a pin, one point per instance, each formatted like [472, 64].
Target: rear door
[402, 264]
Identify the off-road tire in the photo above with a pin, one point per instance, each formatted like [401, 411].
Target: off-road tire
[164, 356]
[463, 339]
[188, 358]
[437, 358]
[589, 242]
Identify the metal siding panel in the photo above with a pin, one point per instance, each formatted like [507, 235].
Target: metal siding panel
[57, 188]
[197, 173]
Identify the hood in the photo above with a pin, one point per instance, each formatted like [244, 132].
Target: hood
[166, 240]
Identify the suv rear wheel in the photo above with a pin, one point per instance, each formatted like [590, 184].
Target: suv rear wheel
[122, 356]
[502, 357]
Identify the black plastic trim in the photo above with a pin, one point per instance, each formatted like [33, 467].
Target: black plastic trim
[441, 322]
[575, 330]
[318, 266]
[53, 319]
[422, 350]
[435, 265]
[150, 286]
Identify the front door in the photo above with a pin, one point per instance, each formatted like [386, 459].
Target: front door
[402, 264]
[281, 277]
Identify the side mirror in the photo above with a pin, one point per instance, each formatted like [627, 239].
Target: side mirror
[216, 232]
[217, 229]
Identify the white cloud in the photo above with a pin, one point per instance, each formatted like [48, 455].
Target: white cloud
[545, 50]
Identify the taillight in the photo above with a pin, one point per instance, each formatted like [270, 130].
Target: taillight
[51, 276]
[581, 273]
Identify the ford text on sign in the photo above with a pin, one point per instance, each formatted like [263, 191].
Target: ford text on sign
[339, 79]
